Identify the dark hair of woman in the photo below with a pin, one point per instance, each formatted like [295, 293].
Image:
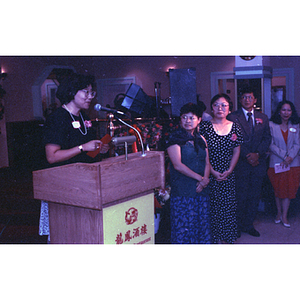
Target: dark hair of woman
[221, 95]
[275, 118]
[70, 85]
[191, 108]
[201, 105]
[197, 111]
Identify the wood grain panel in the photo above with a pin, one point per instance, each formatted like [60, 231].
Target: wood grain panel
[76, 184]
[125, 178]
[75, 225]
[92, 185]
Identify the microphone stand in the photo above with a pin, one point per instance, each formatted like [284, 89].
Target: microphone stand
[123, 122]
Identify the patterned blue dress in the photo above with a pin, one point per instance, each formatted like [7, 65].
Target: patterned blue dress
[190, 221]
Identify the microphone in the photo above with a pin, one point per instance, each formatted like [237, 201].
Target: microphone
[117, 141]
[99, 107]
[130, 139]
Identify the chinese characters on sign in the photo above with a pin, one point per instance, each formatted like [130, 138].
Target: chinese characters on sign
[136, 232]
[130, 222]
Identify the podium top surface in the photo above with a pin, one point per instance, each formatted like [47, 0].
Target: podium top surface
[98, 184]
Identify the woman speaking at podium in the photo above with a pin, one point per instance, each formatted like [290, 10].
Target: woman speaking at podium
[68, 132]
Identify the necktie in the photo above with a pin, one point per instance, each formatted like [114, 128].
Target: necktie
[250, 121]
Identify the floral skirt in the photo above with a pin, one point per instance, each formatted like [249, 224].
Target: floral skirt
[44, 219]
[190, 220]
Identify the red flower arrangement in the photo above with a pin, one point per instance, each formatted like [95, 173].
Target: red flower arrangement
[170, 128]
[151, 133]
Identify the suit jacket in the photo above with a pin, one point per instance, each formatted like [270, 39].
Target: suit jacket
[279, 148]
[258, 142]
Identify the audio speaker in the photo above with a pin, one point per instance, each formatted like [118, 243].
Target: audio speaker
[135, 99]
[182, 88]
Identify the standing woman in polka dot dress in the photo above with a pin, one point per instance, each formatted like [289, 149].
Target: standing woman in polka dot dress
[224, 139]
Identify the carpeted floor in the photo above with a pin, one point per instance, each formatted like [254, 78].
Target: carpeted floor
[271, 233]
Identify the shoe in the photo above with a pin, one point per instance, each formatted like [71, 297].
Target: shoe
[277, 221]
[287, 225]
[253, 232]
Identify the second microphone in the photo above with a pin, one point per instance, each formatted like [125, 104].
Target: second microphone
[99, 107]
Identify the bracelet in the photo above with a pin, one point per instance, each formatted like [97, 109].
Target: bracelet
[80, 148]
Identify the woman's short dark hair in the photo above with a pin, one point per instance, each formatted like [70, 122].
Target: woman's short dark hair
[275, 118]
[70, 85]
[221, 95]
[191, 108]
[202, 105]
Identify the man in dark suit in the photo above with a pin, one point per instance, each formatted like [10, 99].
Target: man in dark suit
[252, 165]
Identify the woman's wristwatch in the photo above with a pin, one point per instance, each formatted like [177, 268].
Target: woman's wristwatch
[80, 148]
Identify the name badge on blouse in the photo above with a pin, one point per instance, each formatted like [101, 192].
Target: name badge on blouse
[293, 129]
[76, 124]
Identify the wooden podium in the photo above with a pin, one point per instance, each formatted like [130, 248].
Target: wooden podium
[108, 202]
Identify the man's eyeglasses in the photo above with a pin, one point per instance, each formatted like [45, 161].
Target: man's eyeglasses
[222, 105]
[247, 97]
[87, 93]
[185, 118]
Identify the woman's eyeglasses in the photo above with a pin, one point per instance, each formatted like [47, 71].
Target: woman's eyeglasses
[185, 118]
[222, 105]
[92, 94]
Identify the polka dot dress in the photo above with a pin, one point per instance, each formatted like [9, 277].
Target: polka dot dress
[222, 194]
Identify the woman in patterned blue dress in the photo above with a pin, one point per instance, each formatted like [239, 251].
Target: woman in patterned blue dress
[189, 173]
[223, 139]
